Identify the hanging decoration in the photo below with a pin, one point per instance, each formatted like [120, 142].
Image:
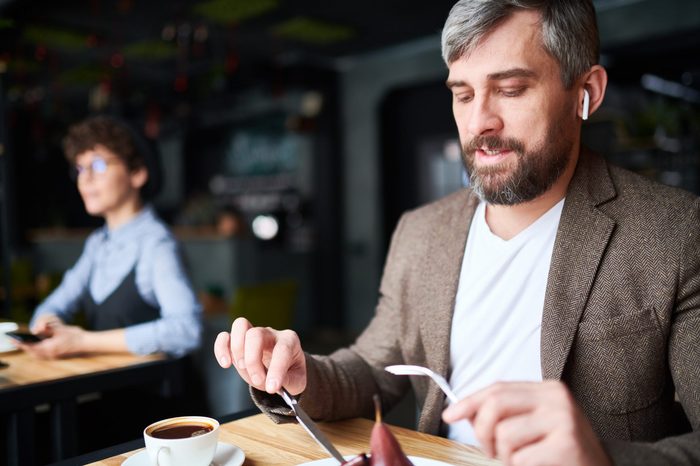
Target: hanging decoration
[99, 96]
[152, 125]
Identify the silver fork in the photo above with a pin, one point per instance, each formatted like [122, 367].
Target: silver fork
[406, 369]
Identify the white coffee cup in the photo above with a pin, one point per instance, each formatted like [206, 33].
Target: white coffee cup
[181, 447]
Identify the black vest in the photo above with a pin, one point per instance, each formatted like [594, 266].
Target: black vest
[122, 308]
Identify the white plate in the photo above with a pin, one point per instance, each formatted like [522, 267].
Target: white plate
[416, 460]
[226, 455]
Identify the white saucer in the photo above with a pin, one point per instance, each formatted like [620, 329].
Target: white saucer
[226, 455]
[416, 460]
[6, 345]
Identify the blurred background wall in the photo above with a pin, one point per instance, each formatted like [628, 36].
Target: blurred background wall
[292, 134]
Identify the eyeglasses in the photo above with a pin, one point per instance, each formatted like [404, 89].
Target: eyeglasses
[97, 166]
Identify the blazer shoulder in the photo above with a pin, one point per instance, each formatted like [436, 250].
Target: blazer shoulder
[637, 193]
[443, 209]
[446, 219]
[651, 209]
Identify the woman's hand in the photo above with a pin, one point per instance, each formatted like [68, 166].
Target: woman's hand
[44, 324]
[65, 340]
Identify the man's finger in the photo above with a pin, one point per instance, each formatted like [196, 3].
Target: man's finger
[533, 454]
[259, 343]
[465, 408]
[222, 351]
[517, 432]
[283, 357]
[503, 401]
[239, 328]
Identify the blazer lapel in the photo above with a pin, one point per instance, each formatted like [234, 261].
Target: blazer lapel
[444, 263]
[584, 232]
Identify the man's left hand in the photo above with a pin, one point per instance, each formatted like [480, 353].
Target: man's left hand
[530, 423]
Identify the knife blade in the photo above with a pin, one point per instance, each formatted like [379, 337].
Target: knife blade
[310, 426]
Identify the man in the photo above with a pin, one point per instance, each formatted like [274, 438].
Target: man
[559, 294]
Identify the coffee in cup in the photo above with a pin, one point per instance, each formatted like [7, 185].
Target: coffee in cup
[182, 441]
[185, 429]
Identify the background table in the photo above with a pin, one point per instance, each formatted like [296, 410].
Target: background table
[29, 382]
[266, 443]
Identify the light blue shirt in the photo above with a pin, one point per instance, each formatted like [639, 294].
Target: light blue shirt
[147, 245]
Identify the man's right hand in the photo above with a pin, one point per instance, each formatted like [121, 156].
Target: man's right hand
[266, 358]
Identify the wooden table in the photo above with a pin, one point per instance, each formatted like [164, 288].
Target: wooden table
[29, 382]
[266, 443]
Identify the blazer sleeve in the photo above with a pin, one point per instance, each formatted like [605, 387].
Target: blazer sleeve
[683, 355]
[342, 384]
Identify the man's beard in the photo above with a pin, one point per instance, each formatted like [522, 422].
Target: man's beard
[516, 181]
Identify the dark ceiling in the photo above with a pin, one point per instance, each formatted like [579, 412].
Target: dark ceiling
[193, 50]
[175, 46]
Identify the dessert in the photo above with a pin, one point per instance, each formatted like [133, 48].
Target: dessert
[384, 448]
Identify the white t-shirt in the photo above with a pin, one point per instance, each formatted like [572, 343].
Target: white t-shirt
[497, 320]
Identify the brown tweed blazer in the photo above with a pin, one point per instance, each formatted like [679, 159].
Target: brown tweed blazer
[621, 321]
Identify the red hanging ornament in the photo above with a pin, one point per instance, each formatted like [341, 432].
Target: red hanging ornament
[231, 63]
[152, 125]
[180, 83]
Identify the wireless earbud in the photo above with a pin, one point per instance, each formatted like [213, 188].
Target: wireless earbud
[586, 104]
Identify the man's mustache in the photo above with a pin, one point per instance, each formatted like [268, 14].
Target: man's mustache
[491, 142]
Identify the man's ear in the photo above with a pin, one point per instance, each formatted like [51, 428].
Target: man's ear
[595, 83]
[139, 177]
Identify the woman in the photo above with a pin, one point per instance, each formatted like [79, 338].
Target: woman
[129, 280]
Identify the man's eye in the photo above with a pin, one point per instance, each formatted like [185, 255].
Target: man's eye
[464, 98]
[512, 92]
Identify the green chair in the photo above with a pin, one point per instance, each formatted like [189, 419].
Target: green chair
[270, 304]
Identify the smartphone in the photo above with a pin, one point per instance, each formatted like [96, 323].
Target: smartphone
[24, 337]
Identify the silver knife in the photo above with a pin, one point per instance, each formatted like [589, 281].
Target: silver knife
[310, 426]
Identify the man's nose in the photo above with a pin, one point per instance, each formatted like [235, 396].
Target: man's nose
[484, 118]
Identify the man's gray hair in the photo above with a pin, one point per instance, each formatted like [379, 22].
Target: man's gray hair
[569, 30]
